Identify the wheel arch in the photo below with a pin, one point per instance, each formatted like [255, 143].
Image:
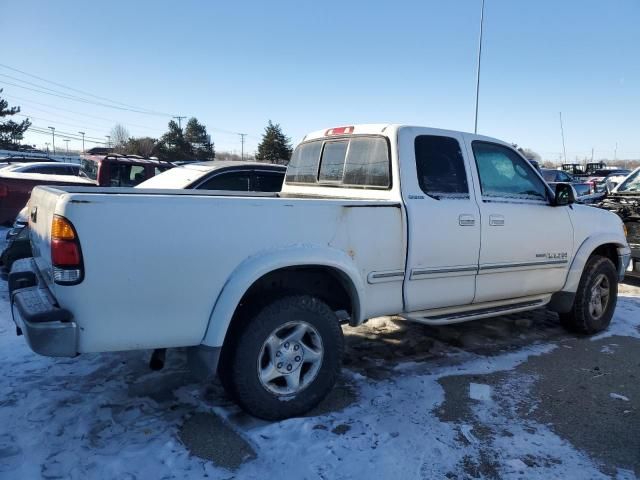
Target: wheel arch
[607, 245]
[287, 269]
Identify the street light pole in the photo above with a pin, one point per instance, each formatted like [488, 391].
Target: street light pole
[67, 142]
[564, 149]
[82, 133]
[53, 137]
[475, 128]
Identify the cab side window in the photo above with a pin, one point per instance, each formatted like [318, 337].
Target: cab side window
[506, 175]
[440, 167]
[268, 181]
[235, 181]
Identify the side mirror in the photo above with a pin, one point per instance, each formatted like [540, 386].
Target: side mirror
[564, 195]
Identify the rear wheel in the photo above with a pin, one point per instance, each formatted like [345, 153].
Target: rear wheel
[596, 298]
[286, 358]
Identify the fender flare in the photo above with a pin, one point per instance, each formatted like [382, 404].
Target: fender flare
[588, 246]
[255, 267]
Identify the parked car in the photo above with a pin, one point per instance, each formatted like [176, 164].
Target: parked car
[624, 200]
[580, 170]
[435, 226]
[11, 159]
[556, 176]
[598, 178]
[218, 175]
[222, 175]
[114, 170]
[553, 177]
[17, 181]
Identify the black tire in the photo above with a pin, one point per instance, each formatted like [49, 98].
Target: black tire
[580, 318]
[239, 369]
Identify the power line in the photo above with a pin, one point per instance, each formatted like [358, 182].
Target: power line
[75, 125]
[40, 131]
[110, 120]
[82, 100]
[61, 132]
[72, 89]
[34, 87]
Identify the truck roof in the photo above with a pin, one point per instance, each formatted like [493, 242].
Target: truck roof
[387, 129]
[133, 159]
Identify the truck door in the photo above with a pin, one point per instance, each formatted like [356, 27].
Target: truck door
[443, 220]
[526, 241]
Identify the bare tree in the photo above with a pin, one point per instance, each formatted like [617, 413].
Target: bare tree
[119, 135]
[144, 146]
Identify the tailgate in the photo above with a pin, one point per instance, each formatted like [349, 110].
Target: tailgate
[40, 211]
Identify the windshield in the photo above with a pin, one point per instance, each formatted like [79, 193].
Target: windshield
[632, 183]
[549, 175]
[178, 177]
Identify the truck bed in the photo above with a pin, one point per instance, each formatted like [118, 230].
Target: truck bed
[156, 261]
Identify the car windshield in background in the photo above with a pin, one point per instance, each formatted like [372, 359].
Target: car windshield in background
[345, 162]
[549, 175]
[631, 184]
[90, 169]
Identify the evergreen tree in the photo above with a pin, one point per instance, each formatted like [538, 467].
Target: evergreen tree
[11, 132]
[173, 146]
[196, 134]
[275, 146]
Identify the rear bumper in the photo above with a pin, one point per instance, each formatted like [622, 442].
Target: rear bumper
[48, 329]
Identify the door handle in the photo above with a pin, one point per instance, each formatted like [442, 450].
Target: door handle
[466, 220]
[496, 220]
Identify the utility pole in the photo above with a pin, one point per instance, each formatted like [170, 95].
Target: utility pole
[475, 127]
[67, 140]
[179, 118]
[53, 136]
[591, 154]
[242, 135]
[47, 145]
[564, 149]
[82, 133]
[108, 137]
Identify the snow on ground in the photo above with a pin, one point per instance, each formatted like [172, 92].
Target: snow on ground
[108, 416]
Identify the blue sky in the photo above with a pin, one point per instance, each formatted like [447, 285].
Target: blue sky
[310, 65]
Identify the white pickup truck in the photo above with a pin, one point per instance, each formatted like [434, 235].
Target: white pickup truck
[431, 225]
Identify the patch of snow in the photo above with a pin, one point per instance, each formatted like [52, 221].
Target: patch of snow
[467, 431]
[81, 418]
[478, 391]
[617, 396]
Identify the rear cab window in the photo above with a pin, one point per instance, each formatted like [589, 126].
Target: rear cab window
[349, 162]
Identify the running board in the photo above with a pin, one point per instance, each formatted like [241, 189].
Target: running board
[447, 318]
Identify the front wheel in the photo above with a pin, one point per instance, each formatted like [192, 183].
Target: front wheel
[287, 358]
[596, 298]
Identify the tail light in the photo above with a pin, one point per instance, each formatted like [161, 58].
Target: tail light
[66, 255]
[4, 191]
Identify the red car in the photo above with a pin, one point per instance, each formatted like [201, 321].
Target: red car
[113, 170]
[105, 170]
[17, 180]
